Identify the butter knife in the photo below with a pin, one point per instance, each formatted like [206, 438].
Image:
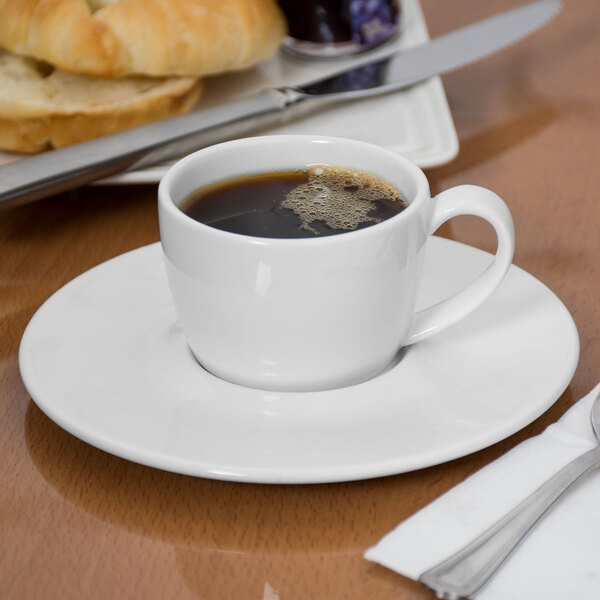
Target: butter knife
[55, 171]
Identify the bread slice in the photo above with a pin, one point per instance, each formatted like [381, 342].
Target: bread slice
[43, 108]
[112, 38]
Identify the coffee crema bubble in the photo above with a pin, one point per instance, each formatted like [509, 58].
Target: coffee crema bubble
[321, 200]
[343, 199]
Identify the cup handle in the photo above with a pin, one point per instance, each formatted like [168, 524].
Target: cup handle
[480, 202]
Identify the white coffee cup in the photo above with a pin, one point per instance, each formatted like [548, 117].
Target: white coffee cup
[313, 313]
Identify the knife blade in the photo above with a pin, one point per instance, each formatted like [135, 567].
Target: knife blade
[55, 171]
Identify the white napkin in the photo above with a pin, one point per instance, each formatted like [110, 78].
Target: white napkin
[559, 559]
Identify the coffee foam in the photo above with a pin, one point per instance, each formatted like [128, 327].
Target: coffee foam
[339, 197]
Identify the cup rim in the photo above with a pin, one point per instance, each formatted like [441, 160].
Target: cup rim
[168, 204]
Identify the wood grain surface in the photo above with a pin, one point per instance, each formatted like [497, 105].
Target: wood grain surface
[76, 522]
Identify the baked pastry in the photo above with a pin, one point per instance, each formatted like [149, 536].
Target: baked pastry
[42, 107]
[112, 38]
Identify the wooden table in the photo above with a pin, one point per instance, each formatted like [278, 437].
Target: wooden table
[79, 523]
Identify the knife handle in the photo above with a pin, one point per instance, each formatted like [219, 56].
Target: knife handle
[464, 573]
[55, 171]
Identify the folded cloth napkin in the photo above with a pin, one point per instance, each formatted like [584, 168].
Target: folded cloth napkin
[560, 557]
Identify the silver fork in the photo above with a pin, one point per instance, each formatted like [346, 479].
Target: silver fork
[465, 572]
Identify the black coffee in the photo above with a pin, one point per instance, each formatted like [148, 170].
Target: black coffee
[320, 201]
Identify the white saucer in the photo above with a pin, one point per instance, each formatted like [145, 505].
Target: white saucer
[105, 359]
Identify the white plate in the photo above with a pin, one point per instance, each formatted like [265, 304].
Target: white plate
[415, 122]
[105, 359]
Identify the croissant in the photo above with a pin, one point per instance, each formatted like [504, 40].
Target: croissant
[43, 108]
[112, 38]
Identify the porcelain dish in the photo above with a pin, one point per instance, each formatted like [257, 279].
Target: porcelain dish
[415, 122]
[105, 359]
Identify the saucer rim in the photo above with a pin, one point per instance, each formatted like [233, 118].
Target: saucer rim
[311, 474]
